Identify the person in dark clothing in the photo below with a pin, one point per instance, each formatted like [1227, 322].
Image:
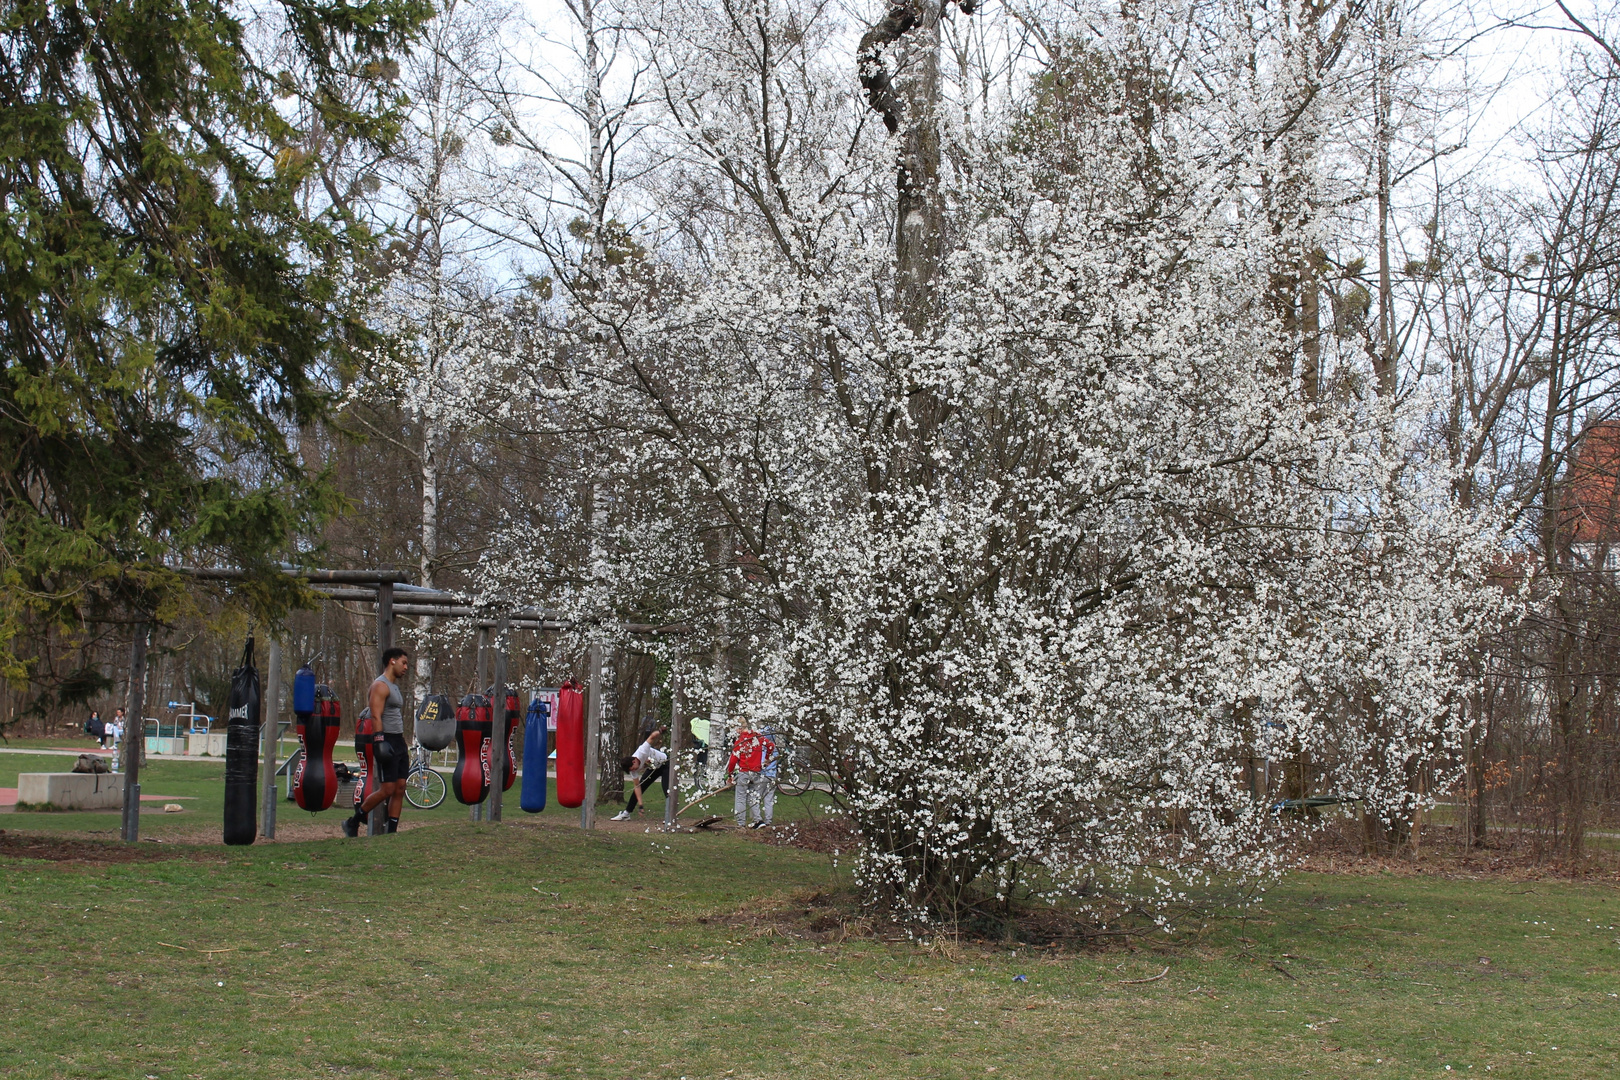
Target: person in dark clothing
[393, 759]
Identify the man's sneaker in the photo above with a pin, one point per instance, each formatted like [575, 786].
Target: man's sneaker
[756, 824]
[622, 815]
[351, 827]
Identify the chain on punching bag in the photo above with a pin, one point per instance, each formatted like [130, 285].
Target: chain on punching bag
[570, 745]
[242, 752]
[470, 782]
[533, 797]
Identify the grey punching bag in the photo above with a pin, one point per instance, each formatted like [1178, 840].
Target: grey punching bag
[435, 722]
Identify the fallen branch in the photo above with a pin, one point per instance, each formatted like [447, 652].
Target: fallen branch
[700, 798]
[1284, 972]
[166, 945]
[1156, 978]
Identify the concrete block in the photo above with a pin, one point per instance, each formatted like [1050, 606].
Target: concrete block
[212, 745]
[72, 791]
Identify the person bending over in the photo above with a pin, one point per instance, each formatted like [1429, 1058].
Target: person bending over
[393, 762]
[654, 765]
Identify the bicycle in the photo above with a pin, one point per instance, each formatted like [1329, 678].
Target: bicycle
[793, 775]
[424, 787]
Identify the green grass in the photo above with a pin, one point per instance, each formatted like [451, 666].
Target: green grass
[75, 740]
[531, 949]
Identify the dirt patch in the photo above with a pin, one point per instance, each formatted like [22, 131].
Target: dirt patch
[1471, 865]
[1442, 853]
[815, 916]
[299, 830]
[832, 835]
[64, 849]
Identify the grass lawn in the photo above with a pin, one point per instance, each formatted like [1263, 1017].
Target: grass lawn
[530, 949]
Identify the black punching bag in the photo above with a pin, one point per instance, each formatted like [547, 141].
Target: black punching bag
[242, 752]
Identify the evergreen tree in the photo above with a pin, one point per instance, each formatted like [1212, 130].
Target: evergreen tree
[172, 302]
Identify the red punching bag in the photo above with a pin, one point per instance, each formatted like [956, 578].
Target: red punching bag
[365, 748]
[470, 781]
[514, 716]
[570, 745]
[315, 781]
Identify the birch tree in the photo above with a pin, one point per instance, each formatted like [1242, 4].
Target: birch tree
[442, 368]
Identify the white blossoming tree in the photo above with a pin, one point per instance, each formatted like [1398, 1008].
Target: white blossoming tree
[960, 399]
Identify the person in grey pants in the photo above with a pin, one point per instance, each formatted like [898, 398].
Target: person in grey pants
[750, 755]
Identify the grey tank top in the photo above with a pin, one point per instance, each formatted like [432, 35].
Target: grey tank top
[393, 717]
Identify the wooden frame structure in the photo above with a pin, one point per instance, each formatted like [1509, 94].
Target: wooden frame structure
[391, 592]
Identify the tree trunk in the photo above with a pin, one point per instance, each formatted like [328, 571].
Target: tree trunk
[1479, 742]
[429, 554]
[719, 729]
[907, 41]
[1383, 74]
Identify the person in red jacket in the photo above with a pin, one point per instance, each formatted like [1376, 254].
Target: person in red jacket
[751, 754]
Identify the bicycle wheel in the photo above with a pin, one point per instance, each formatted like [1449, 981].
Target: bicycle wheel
[793, 777]
[424, 788]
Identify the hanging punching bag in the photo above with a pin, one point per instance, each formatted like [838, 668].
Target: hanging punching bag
[513, 716]
[315, 782]
[535, 752]
[242, 752]
[470, 782]
[365, 748]
[304, 691]
[436, 722]
[570, 745]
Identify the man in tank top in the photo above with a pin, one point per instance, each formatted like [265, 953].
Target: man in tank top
[393, 760]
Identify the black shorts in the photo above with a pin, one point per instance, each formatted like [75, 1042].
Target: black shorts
[395, 765]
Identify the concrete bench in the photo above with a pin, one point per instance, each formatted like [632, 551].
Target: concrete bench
[71, 791]
[209, 745]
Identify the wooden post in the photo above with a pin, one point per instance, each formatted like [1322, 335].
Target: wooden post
[135, 718]
[269, 735]
[497, 759]
[476, 810]
[676, 746]
[593, 740]
[385, 619]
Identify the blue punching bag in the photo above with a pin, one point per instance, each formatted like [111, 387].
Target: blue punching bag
[535, 753]
[304, 691]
